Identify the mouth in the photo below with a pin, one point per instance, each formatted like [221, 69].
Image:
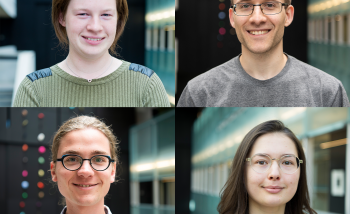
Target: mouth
[258, 32]
[85, 185]
[273, 189]
[93, 39]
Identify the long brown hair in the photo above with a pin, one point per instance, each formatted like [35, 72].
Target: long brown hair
[61, 6]
[234, 198]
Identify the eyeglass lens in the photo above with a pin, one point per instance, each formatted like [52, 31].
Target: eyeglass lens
[268, 8]
[97, 162]
[261, 163]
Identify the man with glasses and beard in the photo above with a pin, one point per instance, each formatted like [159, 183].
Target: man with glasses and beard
[263, 75]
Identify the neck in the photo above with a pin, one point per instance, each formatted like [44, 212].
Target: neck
[78, 209]
[255, 208]
[88, 68]
[265, 65]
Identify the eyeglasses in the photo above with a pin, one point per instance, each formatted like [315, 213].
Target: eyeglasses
[267, 8]
[97, 162]
[262, 162]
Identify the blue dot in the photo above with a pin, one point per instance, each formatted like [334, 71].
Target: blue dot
[25, 184]
[220, 37]
[8, 123]
[71, 108]
[222, 15]
[22, 213]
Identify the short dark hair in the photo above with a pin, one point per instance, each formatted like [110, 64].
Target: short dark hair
[234, 194]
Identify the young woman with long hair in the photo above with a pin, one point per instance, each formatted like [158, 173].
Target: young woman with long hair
[268, 174]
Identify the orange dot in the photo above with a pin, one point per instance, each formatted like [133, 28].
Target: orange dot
[22, 204]
[222, 6]
[25, 147]
[40, 185]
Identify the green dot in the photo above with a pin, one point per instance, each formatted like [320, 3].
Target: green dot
[24, 195]
[222, 24]
[41, 160]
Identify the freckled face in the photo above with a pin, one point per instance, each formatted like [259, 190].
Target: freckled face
[95, 19]
[85, 142]
[275, 145]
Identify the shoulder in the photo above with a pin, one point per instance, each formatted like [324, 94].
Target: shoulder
[36, 75]
[141, 69]
[215, 77]
[315, 76]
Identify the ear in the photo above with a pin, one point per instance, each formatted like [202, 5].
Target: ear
[61, 20]
[231, 14]
[289, 15]
[113, 172]
[53, 173]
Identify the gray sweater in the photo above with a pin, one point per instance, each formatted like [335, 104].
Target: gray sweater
[297, 85]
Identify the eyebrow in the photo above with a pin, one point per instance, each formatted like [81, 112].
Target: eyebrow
[95, 152]
[105, 10]
[270, 155]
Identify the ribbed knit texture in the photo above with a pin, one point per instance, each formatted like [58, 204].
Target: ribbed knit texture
[122, 88]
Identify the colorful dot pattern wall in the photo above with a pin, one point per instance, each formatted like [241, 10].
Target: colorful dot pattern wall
[224, 23]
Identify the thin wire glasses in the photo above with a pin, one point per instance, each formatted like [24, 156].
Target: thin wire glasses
[267, 8]
[262, 162]
[97, 162]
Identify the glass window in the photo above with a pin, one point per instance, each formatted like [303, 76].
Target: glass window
[329, 172]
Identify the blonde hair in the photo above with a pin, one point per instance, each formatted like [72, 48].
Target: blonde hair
[79, 123]
[59, 7]
[83, 122]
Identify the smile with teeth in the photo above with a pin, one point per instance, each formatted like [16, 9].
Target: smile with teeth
[84, 185]
[258, 32]
[93, 39]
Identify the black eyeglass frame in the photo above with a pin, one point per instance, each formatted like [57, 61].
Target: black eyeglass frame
[235, 6]
[64, 156]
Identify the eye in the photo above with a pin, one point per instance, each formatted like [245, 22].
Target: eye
[71, 159]
[245, 6]
[288, 163]
[82, 14]
[262, 162]
[106, 14]
[270, 5]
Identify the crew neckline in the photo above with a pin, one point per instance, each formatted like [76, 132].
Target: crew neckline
[77, 80]
[267, 82]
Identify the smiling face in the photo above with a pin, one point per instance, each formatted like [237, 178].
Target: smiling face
[260, 33]
[85, 143]
[91, 26]
[273, 188]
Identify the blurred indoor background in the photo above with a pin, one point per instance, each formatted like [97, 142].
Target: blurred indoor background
[210, 137]
[147, 155]
[28, 41]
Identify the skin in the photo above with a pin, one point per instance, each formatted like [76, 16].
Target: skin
[88, 18]
[86, 143]
[260, 200]
[266, 51]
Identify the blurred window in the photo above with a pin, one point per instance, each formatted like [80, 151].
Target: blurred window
[345, 29]
[146, 192]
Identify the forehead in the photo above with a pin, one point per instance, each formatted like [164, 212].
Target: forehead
[84, 142]
[274, 144]
[93, 5]
[254, 1]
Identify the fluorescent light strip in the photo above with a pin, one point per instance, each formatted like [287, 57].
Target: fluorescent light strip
[154, 165]
[335, 143]
[151, 17]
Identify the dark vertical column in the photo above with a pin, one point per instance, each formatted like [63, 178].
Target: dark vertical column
[183, 140]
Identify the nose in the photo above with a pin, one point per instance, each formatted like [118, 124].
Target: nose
[94, 24]
[85, 170]
[257, 16]
[274, 171]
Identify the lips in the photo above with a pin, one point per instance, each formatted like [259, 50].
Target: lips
[273, 189]
[258, 32]
[85, 185]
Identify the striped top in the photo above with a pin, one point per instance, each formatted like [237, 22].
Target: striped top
[131, 85]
